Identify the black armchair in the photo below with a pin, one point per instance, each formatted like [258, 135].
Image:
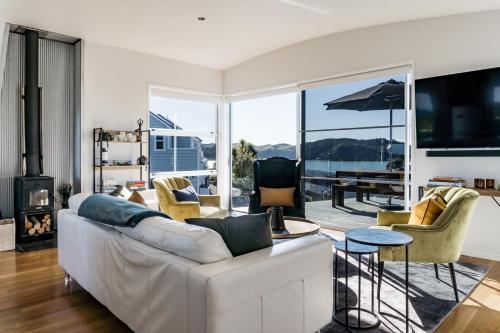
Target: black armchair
[277, 172]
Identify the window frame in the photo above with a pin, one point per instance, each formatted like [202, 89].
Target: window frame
[162, 141]
[188, 96]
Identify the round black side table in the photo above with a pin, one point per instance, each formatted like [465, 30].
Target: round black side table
[380, 238]
[360, 250]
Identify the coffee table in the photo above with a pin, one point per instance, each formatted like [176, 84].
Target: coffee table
[296, 227]
[378, 237]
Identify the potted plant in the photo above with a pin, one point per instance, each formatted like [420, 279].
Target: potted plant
[65, 191]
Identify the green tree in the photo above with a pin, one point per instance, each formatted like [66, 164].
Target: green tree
[244, 154]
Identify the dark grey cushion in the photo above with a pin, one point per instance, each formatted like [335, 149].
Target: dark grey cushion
[186, 194]
[242, 234]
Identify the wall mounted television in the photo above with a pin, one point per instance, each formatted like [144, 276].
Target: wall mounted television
[459, 110]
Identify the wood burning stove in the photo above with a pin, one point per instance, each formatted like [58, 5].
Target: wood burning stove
[33, 193]
[34, 208]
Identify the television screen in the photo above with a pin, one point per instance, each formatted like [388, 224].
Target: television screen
[459, 110]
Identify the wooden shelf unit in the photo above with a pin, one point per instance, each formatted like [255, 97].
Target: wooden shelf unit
[98, 168]
[485, 192]
[121, 167]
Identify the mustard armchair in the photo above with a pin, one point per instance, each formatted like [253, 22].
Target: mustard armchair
[439, 243]
[209, 205]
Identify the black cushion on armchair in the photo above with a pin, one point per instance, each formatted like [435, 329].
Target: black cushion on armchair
[277, 172]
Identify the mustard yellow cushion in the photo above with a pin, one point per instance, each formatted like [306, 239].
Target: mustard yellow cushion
[278, 197]
[427, 211]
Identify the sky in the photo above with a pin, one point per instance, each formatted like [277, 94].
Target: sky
[189, 115]
[273, 119]
[265, 120]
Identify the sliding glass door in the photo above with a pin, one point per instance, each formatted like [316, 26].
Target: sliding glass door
[354, 147]
[260, 128]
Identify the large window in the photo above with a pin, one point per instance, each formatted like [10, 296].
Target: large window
[354, 148]
[184, 133]
[261, 128]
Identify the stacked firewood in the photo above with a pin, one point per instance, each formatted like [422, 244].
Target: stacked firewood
[34, 225]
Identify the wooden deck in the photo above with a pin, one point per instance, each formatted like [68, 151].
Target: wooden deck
[352, 215]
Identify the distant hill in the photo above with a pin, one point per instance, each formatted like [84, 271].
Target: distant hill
[349, 149]
[327, 149]
[265, 151]
[278, 150]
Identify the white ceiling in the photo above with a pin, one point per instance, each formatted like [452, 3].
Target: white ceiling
[234, 31]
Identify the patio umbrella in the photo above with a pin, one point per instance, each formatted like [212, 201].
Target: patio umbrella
[383, 96]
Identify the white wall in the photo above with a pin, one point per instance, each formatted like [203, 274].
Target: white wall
[115, 93]
[437, 46]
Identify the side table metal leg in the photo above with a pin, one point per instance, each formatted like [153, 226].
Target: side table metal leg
[346, 285]
[373, 280]
[380, 272]
[336, 282]
[406, 287]
[359, 291]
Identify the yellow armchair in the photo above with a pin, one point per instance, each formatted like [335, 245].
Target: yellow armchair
[209, 205]
[439, 243]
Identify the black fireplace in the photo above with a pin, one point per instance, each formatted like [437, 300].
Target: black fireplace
[33, 193]
[34, 208]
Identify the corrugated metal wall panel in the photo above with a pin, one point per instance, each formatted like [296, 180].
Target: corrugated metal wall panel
[57, 81]
[10, 106]
[56, 68]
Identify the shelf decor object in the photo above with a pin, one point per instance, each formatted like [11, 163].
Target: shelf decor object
[110, 137]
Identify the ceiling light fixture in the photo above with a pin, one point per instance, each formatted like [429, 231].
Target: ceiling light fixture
[202, 18]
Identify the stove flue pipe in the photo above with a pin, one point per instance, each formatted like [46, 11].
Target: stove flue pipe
[32, 108]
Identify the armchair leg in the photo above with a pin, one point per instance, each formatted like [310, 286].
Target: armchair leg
[453, 280]
[436, 270]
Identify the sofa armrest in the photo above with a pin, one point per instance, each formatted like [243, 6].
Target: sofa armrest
[387, 218]
[209, 200]
[182, 210]
[414, 228]
[186, 203]
[305, 262]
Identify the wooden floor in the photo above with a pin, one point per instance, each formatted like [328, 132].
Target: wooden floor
[33, 298]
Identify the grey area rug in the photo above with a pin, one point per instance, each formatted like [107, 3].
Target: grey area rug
[431, 300]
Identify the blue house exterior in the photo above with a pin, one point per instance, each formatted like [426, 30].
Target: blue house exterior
[189, 152]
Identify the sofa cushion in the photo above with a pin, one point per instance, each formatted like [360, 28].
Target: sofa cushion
[428, 210]
[280, 197]
[211, 211]
[76, 200]
[137, 198]
[242, 234]
[200, 244]
[186, 194]
[150, 198]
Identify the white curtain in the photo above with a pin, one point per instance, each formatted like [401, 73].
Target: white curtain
[4, 39]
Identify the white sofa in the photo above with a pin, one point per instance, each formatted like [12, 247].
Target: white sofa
[284, 288]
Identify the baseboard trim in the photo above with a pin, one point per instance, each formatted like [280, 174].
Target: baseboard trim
[481, 254]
